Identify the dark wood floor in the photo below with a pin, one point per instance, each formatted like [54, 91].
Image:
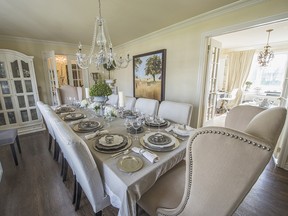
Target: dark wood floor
[36, 188]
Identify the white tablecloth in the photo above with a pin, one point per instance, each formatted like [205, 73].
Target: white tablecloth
[123, 188]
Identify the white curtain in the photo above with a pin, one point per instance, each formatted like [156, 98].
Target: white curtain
[237, 70]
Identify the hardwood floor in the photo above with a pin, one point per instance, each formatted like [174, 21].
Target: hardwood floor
[35, 187]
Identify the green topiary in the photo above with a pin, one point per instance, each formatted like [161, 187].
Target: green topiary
[100, 89]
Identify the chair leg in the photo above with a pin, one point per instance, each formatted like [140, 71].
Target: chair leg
[56, 151]
[18, 144]
[98, 213]
[62, 165]
[78, 196]
[50, 142]
[74, 190]
[65, 169]
[14, 153]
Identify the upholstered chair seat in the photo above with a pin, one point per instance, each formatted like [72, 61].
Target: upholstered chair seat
[129, 103]
[67, 92]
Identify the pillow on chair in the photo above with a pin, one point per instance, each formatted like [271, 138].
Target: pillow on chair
[261, 125]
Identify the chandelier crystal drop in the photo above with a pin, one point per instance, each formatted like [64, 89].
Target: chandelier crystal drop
[101, 51]
[266, 56]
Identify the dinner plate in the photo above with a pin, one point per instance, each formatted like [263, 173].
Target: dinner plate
[77, 129]
[64, 109]
[74, 116]
[130, 163]
[159, 139]
[159, 148]
[89, 125]
[110, 150]
[154, 124]
[118, 139]
[166, 144]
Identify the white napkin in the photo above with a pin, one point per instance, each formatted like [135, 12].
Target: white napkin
[78, 121]
[97, 133]
[152, 157]
[180, 130]
[170, 128]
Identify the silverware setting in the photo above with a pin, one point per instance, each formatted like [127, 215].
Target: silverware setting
[125, 152]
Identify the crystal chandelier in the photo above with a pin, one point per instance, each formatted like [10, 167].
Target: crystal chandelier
[101, 51]
[267, 54]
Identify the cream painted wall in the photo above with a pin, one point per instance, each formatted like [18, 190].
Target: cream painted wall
[185, 51]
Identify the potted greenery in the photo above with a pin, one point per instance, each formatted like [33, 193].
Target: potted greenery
[100, 91]
[109, 81]
[248, 85]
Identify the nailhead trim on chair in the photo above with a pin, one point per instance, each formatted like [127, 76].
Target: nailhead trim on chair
[190, 157]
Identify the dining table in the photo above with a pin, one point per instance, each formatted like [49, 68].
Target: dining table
[126, 188]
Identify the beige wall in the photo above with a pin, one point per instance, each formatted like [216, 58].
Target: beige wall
[185, 49]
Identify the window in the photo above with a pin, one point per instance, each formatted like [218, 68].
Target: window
[270, 78]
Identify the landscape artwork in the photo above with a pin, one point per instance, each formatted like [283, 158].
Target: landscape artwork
[149, 75]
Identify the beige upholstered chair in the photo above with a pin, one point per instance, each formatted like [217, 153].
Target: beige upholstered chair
[84, 168]
[147, 106]
[65, 92]
[221, 167]
[129, 103]
[176, 112]
[113, 100]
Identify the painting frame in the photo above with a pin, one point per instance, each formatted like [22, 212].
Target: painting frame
[149, 73]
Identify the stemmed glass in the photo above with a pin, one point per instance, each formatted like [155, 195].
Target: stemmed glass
[128, 124]
[149, 119]
[136, 124]
[159, 120]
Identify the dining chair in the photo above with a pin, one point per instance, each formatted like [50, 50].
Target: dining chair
[10, 137]
[86, 173]
[129, 103]
[177, 112]
[113, 100]
[147, 106]
[221, 167]
[49, 116]
[66, 93]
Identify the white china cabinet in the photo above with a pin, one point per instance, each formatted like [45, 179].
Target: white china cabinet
[18, 93]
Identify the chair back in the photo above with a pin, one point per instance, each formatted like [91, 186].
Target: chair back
[66, 91]
[113, 100]
[223, 164]
[239, 117]
[129, 103]
[83, 165]
[177, 112]
[147, 106]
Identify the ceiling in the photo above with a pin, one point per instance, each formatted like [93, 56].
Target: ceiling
[72, 21]
[256, 37]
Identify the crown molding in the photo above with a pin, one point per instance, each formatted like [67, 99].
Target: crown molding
[196, 19]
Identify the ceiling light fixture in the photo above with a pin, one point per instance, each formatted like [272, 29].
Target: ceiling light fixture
[101, 51]
[267, 54]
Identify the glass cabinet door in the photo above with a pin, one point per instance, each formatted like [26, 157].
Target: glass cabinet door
[15, 69]
[2, 70]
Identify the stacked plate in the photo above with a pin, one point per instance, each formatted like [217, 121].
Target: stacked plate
[74, 116]
[87, 126]
[112, 143]
[157, 123]
[64, 109]
[128, 114]
[159, 141]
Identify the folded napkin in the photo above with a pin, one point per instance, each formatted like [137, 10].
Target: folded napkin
[152, 157]
[170, 128]
[78, 121]
[97, 133]
[183, 131]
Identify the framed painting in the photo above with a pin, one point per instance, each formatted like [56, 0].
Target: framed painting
[149, 75]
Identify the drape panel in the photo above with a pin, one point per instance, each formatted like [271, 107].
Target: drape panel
[237, 70]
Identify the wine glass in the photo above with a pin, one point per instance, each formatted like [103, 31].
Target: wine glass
[128, 125]
[159, 120]
[136, 124]
[149, 119]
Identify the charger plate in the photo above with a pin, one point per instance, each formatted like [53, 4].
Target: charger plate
[78, 130]
[112, 149]
[74, 116]
[160, 148]
[130, 163]
[165, 123]
[64, 109]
